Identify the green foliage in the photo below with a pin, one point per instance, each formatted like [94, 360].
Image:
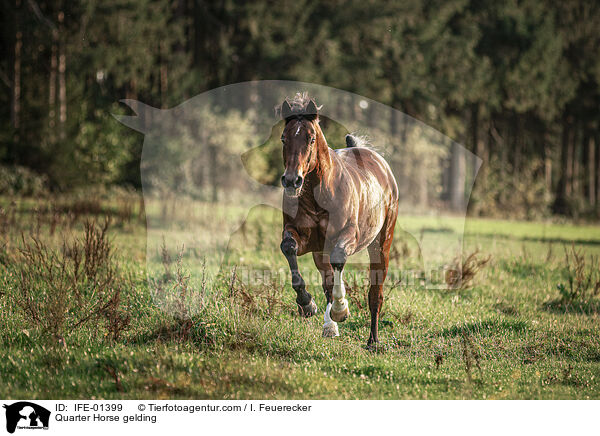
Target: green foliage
[17, 180]
[198, 160]
[98, 154]
[524, 197]
[583, 278]
[513, 81]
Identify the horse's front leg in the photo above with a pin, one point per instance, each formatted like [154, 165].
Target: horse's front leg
[293, 244]
[342, 249]
[330, 327]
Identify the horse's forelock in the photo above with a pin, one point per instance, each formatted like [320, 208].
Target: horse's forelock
[299, 107]
[301, 116]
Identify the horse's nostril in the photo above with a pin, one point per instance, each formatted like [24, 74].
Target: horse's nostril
[289, 181]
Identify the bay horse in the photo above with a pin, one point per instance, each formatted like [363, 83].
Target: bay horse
[335, 204]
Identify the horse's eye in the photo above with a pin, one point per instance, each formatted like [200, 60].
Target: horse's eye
[312, 140]
[282, 138]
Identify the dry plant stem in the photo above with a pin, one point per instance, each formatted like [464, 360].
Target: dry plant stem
[463, 273]
[61, 290]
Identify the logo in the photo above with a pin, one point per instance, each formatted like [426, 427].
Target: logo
[26, 415]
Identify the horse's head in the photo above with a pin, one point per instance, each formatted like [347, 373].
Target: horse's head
[301, 136]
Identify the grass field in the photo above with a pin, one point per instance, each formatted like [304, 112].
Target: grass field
[517, 332]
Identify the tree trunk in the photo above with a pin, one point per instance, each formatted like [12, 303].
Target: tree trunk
[547, 169]
[52, 84]
[423, 184]
[457, 178]
[566, 171]
[596, 145]
[592, 172]
[517, 143]
[478, 148]
[131, 91]
[481, 147]
[214, 173]
[164, 82]
[394, 123]
[62, 85]
[576, 174]
[563, 188]
[398, 140]
[16, 89]
[588, 157]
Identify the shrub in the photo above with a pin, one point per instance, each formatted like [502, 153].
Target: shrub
[16, 180]
[59, 291]
[582, 281]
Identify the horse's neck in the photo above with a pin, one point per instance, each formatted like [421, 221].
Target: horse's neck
[325, 164]
[321, 178]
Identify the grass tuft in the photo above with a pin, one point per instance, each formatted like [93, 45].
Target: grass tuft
[465, 271]
[59, 291]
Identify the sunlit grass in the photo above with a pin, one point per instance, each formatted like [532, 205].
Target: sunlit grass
[239, 350]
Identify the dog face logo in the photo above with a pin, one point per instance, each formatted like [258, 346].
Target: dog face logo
[26, 415]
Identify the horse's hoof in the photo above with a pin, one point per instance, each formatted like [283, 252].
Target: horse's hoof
[308, 310]
[339, 311]
[330, 330]
[372, 345]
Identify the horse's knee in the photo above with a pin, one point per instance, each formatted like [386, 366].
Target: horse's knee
[338, 258]
[297, 281]
[289, 246]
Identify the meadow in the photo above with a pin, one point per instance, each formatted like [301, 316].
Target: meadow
[79, 319]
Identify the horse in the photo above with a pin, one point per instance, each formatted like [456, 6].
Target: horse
[335, 204]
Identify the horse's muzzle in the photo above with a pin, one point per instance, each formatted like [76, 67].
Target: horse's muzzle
[292, 184]
[292, 192]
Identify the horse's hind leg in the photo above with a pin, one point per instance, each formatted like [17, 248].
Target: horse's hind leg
[330, 327]
[379, 256]
[290, 247]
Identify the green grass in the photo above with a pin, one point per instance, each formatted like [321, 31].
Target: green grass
[525, 343]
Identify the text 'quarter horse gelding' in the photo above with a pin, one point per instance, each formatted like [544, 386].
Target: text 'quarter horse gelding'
[335, 204]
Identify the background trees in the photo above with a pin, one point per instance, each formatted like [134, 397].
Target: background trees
[516, 82]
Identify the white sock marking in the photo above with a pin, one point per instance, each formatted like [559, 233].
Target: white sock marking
[339, 291]
[327, 318]
[330, 328]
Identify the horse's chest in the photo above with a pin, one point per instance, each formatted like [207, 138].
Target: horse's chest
[309, 219]
[323, 224]
[317, 221]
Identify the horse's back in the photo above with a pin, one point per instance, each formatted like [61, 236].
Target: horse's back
[374, 189]
[364, 164]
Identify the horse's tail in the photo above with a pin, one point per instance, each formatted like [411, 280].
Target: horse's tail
[351, 141]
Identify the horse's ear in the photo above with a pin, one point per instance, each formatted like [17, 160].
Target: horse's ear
[286, 109]
[311, 108]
